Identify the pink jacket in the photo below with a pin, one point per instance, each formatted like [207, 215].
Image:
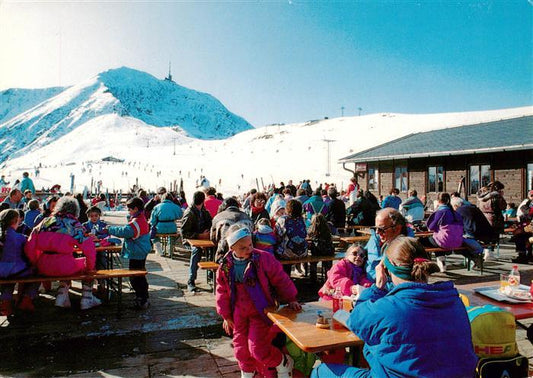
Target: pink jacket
[58, 259]
[212, 204]
[343, 274]
[271, 277]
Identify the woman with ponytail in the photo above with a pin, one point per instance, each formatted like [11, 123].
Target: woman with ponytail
[414, 330]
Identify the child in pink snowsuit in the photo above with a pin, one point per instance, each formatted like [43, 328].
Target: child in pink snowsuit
[347, 274]
[245, 281]
[51, 247]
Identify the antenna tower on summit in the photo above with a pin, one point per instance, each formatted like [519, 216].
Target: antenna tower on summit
[169, 77]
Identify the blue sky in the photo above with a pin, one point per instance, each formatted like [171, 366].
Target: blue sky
[286, 61]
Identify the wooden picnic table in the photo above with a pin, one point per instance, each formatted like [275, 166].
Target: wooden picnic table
[205, 244]
[423, 234]
[200, 243]
[519, 310]
[354, 239]
[300, 328]
[110, 253]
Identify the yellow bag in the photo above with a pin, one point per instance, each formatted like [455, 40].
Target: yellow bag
[493, 331]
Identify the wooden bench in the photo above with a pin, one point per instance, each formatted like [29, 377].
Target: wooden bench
[103, 274]
[168, 243]
[477, 259]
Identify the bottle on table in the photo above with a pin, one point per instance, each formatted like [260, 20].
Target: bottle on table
[337, 300]
[514, 277]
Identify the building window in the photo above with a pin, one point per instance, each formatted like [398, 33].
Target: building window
[479, 176]
[529, 182]
[400, 178]
[373, 178]
[435, 179]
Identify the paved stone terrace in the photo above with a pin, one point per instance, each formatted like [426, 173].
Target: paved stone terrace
[179, 335]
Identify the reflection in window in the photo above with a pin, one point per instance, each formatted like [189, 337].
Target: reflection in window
[373, 174]
[479, 176]
[529, 182]
[400, 178]
[435, 179]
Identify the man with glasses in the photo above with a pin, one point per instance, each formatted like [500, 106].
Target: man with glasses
[389, 225]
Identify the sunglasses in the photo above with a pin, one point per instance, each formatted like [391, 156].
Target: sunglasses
[381, 230]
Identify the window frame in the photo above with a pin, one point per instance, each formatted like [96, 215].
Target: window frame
[403, 169]
[480, 183]
[428, 184]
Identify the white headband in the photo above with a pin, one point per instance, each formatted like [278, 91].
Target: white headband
[237, 235]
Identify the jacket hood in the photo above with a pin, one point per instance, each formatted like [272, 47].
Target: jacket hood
[436, 295]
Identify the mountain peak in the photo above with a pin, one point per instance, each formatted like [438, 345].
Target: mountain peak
[123, 91]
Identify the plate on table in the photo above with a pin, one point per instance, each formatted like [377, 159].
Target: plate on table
[518, 294]
[494, 292]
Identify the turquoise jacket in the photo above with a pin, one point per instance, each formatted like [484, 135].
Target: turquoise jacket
[136, 236]
[164, 217]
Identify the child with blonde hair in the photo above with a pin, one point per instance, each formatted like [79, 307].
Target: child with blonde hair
[247, 281]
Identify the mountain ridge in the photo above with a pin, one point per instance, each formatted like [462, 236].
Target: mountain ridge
[49, 114]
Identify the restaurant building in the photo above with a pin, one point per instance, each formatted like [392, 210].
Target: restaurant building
[462, 158]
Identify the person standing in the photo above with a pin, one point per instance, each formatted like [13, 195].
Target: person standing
[136, 247]
[196, 225]
[26, 183]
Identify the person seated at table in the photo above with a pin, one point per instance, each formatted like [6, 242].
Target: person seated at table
[447, 227]
[320, 243]
[196, 225]
[389, 225]
[392, 200]
[476, 227]
[412, 208]
[247, 281]
[13, 264]
[264, 237]
[348, 274]
[363, 211]
[228, 214]
[291, 235]
[257, 207]
[51, 249]
[163, 220]
[522, 231]
[136, 247]
[95, 226]
[277, 209]
[31, 213]
[414, 330]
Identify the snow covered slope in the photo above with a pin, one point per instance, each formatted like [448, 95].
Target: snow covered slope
[155, 156]
[124, 92]
[16, 100]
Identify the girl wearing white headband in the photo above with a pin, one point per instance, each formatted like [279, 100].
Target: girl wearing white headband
[244, 282]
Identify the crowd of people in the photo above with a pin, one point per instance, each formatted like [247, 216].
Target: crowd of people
[253, 233]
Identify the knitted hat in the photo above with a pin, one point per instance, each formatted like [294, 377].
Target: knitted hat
[237, 235]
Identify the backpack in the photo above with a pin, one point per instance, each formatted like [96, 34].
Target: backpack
[511, 367]
[296, 233]
[493, 331]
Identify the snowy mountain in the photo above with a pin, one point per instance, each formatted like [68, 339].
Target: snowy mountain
[44, 116]
[16, 100]
[155, 156]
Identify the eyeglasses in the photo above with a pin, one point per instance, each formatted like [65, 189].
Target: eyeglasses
[381, 230]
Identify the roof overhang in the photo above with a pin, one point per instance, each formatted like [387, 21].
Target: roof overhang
[438, 153]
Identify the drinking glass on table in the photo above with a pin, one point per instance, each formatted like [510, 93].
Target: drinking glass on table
[504, 281]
